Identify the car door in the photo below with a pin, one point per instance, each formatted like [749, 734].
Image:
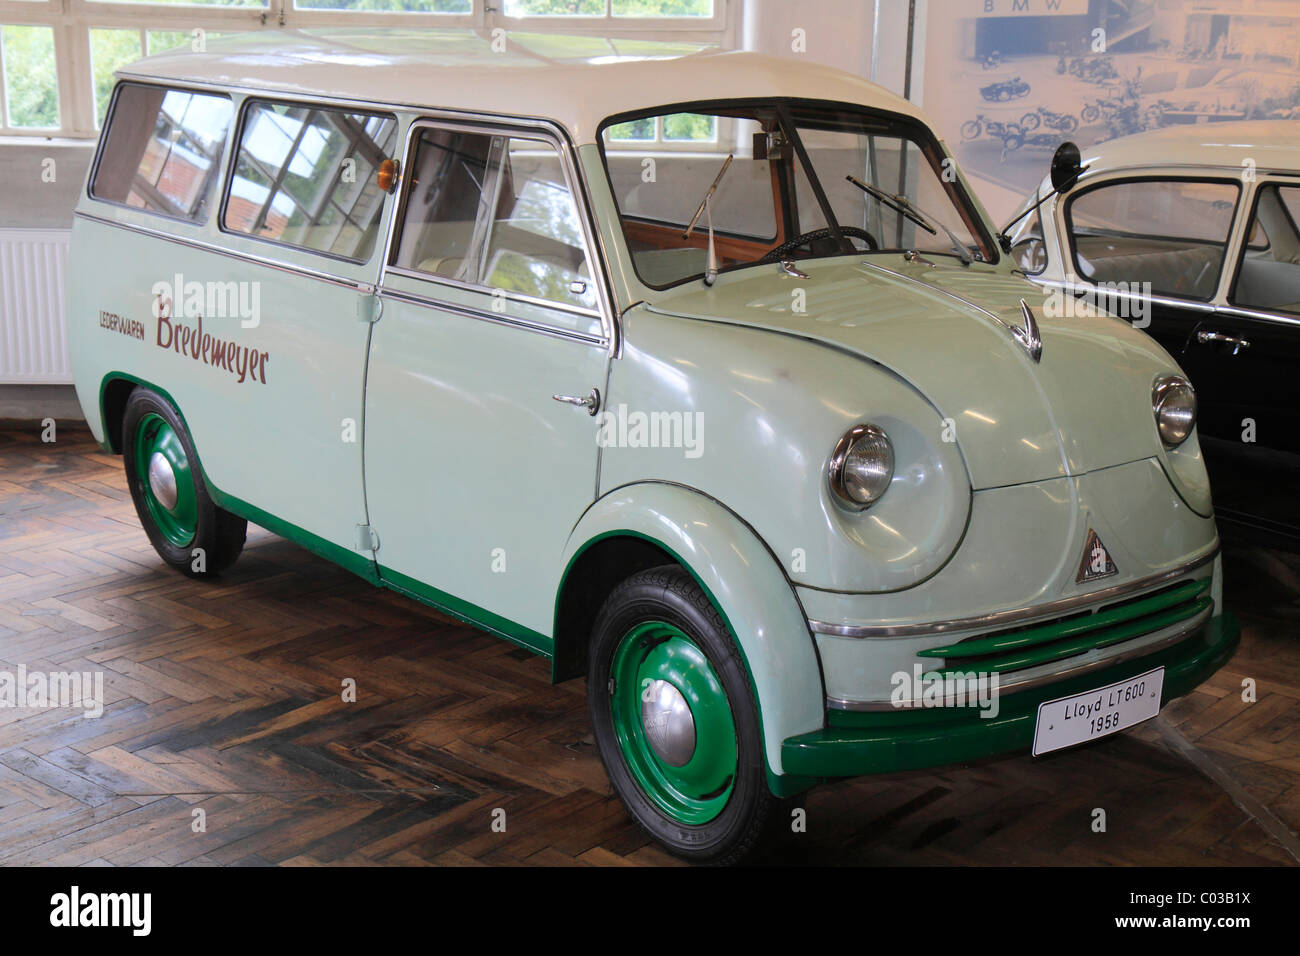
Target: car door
[486, 369]
[1244, 357]
[1248, 350]
[305, 217]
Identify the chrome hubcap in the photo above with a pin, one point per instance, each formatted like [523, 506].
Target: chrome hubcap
[162, 480]
[668, 722]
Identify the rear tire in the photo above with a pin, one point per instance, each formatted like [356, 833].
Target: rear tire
[184, 525]
[675, 721]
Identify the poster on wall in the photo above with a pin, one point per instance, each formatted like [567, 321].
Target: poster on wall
[1008, 80]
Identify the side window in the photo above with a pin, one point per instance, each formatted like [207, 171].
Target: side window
[494, 211]
[1172, 234]
[1269, 277]
[1027, 246]
[304, 176]
[161, 149]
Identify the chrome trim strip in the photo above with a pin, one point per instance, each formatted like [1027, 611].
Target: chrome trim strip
[1205, 308]
[1014, 615]
[1240, 312]
[489, 290]
[934, 288]
[355, 284]
[1013, 686]
[495, 318]
[1072, 288]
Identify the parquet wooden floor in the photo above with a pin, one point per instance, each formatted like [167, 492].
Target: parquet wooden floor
[225, 697]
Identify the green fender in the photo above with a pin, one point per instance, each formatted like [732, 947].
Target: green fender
[746, 584]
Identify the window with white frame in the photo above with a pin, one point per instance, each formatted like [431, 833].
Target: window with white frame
[58, 57]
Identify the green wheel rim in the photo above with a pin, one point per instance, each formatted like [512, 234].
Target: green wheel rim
[179, 522]
[698, 790]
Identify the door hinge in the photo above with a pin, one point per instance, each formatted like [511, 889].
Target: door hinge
[369, 307]
[367, 538]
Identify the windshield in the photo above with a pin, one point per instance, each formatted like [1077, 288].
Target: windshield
[805, 181]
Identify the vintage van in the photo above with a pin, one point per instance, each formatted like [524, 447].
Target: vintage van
[699, 373]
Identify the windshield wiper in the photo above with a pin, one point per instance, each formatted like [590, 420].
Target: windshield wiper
[711, 257]
[905, 207]
[726, 164]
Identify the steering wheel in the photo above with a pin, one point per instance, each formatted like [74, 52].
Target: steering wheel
[790, 245]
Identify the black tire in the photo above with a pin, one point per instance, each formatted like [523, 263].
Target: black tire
[218, 533]
[669, 594]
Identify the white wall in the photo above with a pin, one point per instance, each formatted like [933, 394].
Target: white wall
[29, 199]
[842, 34]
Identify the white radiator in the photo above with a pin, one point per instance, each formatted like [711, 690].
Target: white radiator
[33, 345]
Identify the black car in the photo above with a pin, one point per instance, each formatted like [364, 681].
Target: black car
[1193, 233]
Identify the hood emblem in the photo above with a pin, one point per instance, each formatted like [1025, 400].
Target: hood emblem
[1096, 561]
[1027, 335]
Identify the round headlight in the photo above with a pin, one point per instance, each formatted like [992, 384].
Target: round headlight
[861, 466]
[1173, 400]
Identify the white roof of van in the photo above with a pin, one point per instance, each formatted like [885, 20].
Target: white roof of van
[575, 80]
[1272, 144]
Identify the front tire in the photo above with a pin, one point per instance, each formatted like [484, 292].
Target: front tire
[185, 527]
[675, 720]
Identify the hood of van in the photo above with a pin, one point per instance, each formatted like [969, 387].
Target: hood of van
[946, 330]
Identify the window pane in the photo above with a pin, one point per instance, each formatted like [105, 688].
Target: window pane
[497, 212]
[662, 8]
[1027, 246]
[31, 88]
[535, 244]
[161, 151]
[555, 8]
[1171, 234]
[1270, 269]
[110, 49]
[388, 6]
[195, 3]
[305, 176]
[642, 130]
[690, 127]
[438, 229]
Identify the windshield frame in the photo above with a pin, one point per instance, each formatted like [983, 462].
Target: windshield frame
[786, 108]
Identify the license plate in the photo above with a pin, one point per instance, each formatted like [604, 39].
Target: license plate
[1096, 713]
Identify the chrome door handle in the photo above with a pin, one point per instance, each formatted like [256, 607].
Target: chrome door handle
[1222, 338]
[590, 402]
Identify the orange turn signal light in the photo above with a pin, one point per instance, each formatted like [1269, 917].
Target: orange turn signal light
[386, 178]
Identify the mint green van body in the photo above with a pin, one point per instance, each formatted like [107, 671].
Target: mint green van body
[430, 434]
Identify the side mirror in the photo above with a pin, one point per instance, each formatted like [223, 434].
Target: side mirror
[1067, 164]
